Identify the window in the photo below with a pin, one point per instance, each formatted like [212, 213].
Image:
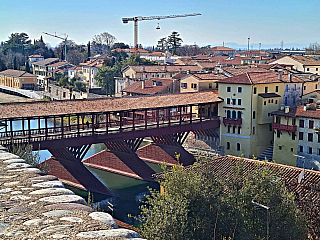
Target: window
[277, 88]
[234, 114]
[316, 87]
[311, 123]
[319, 138]
[301, 149]
[318, 151]
[304, 87]
[301, 123]
[310, 137]
[229, 128]
[184, 85]
[300, 135]
[228, 145]
[253, 131]
[228, 101]
[293, 121]
[265, 103]
[239, 101]
[228, 89]
[254, 90]
[239, 114]
[228, 114]
[293, 136]
[316, 69]
[239, 130]
[276, 102]
[270, 127]
[233, 101]
[234, 129]
[310, 150]
[254, 115]
[266, 90]
[238, 146]
[278, 134]
[280, 148]
[307, 69]
[269, 101]
[291, 149]
[239, 89]
[210, 85]
[194, 85]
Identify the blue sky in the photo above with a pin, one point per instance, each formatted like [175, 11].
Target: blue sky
[268, 21]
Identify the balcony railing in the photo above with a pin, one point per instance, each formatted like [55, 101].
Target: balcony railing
[283, 127]
[234, 121]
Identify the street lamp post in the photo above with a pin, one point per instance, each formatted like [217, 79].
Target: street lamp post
[267, 208]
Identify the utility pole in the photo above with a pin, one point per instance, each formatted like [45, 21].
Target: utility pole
[267, 208]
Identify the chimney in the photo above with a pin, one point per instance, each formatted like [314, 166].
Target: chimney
[290, 77]
[286, 109]
[282, 107]
[188, 71]
[304, 108]
[280, 75]
[142, 84]
[165, 68]
[312, 77]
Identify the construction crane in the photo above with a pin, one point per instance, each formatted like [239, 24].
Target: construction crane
[65, 42]
[136, 19]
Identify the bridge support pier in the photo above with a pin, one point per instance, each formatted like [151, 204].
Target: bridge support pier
[176, 139]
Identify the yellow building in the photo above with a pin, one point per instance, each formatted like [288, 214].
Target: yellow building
[200, 82]
[18, 79]
[285, 136]
[249, 99]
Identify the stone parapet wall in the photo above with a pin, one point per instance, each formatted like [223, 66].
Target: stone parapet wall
[37, 206]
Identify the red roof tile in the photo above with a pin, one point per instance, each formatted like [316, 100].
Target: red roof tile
[149, 88]
[127, 164]
[220, 48]
[16, 73]
[163, 69]
[161, 153]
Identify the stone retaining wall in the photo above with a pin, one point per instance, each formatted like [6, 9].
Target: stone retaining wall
[37, 206]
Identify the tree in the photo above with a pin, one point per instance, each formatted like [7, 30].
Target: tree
[313, 49]
[89, 52]
[199, 204]
[120, 45]
[188, 50]
[174, 41]
[162, 44]
[103, 42]
[28, 67]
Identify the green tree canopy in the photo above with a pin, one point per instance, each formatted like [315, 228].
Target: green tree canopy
[198, 204]
[174, 41]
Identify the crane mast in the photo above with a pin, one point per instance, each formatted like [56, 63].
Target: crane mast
[65, 43]
[139, 18]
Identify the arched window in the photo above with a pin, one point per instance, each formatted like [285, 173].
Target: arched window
[234, 114]
[228, 145]
[228, 114]
[239, 114]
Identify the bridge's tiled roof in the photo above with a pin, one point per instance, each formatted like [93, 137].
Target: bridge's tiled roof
[162, 153]
[51, 108]
[122, 163]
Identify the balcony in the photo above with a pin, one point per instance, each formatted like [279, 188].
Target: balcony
[283, 127]
[234, 121]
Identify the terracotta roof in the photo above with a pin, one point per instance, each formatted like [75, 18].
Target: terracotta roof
[93, 63]
[162, 153]
[163, 69]
[226, 60]
[307, 61]
[179, 76]
[13, 110]
[254, 52]
[127, 164]
[149, 88]
[206, 64]
[75, 68]
[58, 64]
[299, 112]
[75, 174]
[201, 57]
[157, 54]
[268, 95]
[209, 76]
[46, 62]
[132, 50]
[258, 78]
[291, 113]
[220, 48]
[16, 73]
[221, 168]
